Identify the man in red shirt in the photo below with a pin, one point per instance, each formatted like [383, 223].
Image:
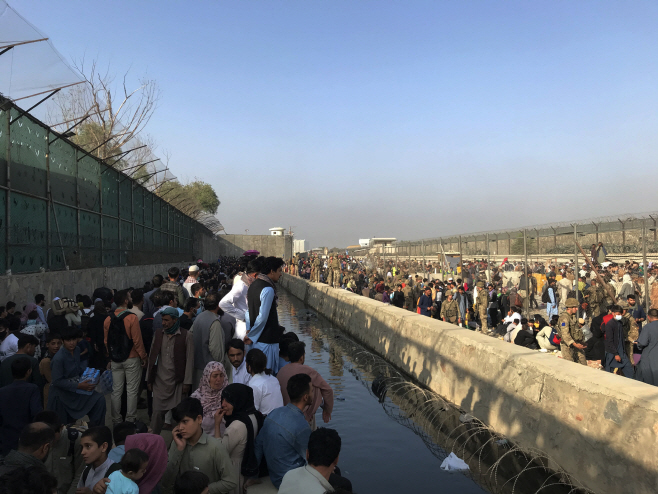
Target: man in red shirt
[322, 392]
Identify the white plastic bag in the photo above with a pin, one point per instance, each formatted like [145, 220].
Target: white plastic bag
[453, 462]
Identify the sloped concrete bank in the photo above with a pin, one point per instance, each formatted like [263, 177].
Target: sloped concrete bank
[601, 428]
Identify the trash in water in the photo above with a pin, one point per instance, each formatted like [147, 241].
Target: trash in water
[466, 417]
[339, 398]
[453, 462]
[501, 442]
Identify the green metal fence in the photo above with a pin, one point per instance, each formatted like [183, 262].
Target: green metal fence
[61, 208]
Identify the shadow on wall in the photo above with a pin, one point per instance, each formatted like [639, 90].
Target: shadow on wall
[597, 427]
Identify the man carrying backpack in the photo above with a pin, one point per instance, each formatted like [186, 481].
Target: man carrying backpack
[123, 340]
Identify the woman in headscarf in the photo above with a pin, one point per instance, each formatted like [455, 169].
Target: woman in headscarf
[154, 446]
[156, 449]
[212, 384]
[243, 422]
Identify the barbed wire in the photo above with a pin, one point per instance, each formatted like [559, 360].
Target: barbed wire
[601, 224]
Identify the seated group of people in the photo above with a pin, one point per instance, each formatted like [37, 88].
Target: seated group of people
[226, 435]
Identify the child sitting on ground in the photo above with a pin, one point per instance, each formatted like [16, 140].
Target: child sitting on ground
[133, 465]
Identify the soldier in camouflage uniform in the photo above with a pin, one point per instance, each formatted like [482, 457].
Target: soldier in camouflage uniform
[408, 295]
[594, 296]
[317, 263]
[334, 266]
[573, 341]
[480, 305]
[449, 309]
[631, 329]
[330, 272]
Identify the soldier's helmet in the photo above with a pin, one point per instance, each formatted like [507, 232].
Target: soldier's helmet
[480, 284]
[571, 303]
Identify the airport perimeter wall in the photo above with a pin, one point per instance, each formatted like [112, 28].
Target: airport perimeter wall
[599, 427]
[22, 288]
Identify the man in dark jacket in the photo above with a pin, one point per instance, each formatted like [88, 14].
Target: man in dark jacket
[425, 302]
[398, 297]
[20, 401]
[149, 306]
[615, 350]
[596, 344]
[33, 447]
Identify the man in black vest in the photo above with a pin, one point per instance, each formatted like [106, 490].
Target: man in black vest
[263, 330]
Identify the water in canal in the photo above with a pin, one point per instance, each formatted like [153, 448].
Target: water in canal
[395, 435]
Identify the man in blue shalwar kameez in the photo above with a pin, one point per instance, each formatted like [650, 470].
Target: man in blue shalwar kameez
[63, 397]
[262, 320]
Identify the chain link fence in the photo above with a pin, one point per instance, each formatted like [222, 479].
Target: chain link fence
[624, 236]
[61, 208]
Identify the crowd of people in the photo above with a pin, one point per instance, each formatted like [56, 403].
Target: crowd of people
[592, 313]
[201, 353]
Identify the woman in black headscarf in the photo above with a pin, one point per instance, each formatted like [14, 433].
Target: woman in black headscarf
[243, 422]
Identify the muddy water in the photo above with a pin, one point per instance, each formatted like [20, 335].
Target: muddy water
[379, 454]
[395, 434]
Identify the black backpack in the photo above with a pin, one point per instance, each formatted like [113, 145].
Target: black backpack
[545, 298]
[119, 343]
[114, 467]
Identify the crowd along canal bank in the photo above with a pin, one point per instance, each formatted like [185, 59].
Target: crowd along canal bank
[597, 427]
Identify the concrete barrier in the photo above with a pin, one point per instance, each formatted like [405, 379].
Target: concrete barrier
[21, 288]
[600, 428]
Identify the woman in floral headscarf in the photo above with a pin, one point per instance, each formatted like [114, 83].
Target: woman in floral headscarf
[213, 382]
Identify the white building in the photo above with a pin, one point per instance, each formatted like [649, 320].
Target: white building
[364, 242]
[298, 245]
[278, 231]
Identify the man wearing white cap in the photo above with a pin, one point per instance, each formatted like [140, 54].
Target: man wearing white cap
[191, 279]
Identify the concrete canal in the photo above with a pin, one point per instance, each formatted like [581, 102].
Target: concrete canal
[396, 434]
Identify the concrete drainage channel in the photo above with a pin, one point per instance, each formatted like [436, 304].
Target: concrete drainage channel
[559, 413]
[495, 463]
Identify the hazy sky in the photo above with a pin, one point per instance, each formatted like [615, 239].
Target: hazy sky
[408, 119]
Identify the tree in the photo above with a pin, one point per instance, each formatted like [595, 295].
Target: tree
[117, 114]
[204, 194]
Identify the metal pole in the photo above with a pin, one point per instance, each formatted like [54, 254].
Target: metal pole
[59, 236]
[488, 261]
[48, 227]
[461, 264]
[100, 205]
[576, 273]
[8, 197]
[647, 299]
[423, 259]
[526, 300]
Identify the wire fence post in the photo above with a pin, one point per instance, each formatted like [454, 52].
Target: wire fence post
[461, 264]
[423, 248]
[488, 271]
[526, 299]
[8, 264]
[645, 267]
[576, 273]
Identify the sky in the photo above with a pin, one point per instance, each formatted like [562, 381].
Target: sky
[415, 119]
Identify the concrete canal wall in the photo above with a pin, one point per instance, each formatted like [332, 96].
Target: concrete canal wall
[601, 428]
